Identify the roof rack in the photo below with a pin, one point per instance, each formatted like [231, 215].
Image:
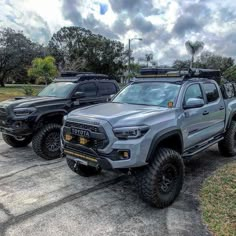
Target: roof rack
[82, 77]
[73, 73]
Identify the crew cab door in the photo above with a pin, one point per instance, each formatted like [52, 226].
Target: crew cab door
[89, 89]
[214, 111]
[201, 124]
[194, 122]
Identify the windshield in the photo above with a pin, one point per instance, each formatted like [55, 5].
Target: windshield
[149, 93]
[60, 90]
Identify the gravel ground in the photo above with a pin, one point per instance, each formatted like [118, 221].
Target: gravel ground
[40, 197]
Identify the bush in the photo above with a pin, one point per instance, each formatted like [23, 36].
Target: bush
[28, 90]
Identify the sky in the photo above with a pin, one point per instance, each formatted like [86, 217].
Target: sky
[163, 25]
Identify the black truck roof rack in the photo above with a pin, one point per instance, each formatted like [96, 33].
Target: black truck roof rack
[186, 74]
[81, 76]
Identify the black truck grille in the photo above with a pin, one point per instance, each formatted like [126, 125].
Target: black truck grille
[98, 139]
[3, 113]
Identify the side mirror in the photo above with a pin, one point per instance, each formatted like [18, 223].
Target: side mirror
[194, 103]
[110, 97]
[79, 95]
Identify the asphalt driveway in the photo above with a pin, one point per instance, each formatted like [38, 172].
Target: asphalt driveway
[40, 197]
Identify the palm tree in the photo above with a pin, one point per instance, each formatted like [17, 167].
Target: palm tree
[148, 57]
[193, 49]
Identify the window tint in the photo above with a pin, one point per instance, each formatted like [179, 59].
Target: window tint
[193, 91]
[89, 89]
[211, 92]
[106, 88]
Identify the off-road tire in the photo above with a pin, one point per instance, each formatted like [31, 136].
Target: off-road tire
[82, 170]
[16, 143]
[153, 179]
[227, 147]
[46, 142]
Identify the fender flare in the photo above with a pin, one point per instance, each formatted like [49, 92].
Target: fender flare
[56, 112]
[230, 119]
[162, 136]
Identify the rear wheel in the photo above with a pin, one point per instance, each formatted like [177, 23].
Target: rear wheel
[82, 170]
[227, 147]
[161, 181]
[17, 142]
[46, 142]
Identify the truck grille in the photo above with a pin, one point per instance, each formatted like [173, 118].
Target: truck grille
[97, 141]
[3, 114]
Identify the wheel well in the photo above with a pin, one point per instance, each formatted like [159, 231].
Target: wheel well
[173, 142]
[49, 118]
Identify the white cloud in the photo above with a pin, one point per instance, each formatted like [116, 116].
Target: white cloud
[164, 25]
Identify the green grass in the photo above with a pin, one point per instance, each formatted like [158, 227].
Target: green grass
[15, 91]
[218, 200]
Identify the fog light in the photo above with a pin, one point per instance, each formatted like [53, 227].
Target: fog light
[124, 154]
[68, 137]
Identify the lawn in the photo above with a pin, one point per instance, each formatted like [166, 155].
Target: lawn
[15, 91]
[218, 199]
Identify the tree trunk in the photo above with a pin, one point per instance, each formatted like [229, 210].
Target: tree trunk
[2, 83]
[192, 61]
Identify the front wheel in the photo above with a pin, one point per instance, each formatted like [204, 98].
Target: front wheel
[46, 142]
[161, 181]
[227, 147]
[82, 170]
[17, 142]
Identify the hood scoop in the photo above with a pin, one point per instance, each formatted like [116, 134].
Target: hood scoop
[18, 98]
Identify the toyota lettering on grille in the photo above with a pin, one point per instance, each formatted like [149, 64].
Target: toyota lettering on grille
[80, 132]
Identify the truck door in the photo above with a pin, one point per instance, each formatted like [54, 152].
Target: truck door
[214, 109]
[194, 123]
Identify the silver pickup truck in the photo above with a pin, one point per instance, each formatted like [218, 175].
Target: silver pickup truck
[149, 128]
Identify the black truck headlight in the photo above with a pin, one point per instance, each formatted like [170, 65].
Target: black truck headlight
[24, 111]
[130, 132]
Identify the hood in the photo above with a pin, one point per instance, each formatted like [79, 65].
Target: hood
[22, 102]
[118, 114]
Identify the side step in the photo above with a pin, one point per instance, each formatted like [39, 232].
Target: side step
[201, 147]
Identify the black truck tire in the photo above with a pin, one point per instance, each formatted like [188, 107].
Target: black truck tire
[82, 170]
[17, 142]
[46, 142]
[161, 181]
[227, 147]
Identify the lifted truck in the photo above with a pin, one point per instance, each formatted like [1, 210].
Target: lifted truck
[39, 119]
[150, 127]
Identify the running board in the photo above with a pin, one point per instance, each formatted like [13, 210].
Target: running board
[197, 149]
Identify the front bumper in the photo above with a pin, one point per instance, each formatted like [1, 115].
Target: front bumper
[108, 157]
[15, 128]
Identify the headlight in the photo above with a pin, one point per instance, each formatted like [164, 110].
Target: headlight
[24, 111]
[130, 132]
[64, 119]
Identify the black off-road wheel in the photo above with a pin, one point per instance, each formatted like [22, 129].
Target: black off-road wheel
[46, 142]
[227, 147]
[82, 170]
[17, 142]
[161, 181]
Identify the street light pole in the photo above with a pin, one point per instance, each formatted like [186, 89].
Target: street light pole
[129, 51]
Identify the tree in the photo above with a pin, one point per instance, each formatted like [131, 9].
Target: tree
[16, 53]
[193, 49]
[80, 49]
[230, 73]
[148, 57]
[181, 65]
[211, 61]
[43, 68]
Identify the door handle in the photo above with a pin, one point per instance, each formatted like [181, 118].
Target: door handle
[222, 108]
[205, 113]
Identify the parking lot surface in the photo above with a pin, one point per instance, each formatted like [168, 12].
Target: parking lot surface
[39, 197]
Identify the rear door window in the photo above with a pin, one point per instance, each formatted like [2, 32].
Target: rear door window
[90, 89]
[211, 91]
[106, 88]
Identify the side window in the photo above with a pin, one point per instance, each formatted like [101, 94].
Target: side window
[90, 89]
[193, 91]
[211, 91]
[106, 88]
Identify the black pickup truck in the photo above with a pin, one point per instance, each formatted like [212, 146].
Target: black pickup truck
[39, 118]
